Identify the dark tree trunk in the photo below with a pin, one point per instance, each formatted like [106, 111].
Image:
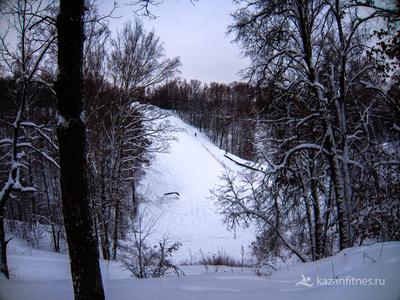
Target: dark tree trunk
[327, 218]
[49, 207]
[3, 248]
[104, 238]
[317, 220]
[135, 203]
[103, 216]
[85, 269]
[115, 233]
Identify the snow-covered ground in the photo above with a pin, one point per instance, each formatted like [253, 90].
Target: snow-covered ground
[41, 275]
[192, 167]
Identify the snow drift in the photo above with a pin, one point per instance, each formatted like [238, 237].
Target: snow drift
[38, 275]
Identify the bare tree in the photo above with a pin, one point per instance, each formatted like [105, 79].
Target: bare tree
[316, 134]
[85, 269]
[129, 131]
[125, 140]
[144, 260]
[23, 62]
[137, 60]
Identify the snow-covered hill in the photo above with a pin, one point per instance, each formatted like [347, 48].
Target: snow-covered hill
[192, 168]
[41, 275]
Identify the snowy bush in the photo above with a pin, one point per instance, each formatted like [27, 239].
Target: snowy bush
[144, 260]
[221, 258]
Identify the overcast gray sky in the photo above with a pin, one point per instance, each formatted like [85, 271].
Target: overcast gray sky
[196, 33]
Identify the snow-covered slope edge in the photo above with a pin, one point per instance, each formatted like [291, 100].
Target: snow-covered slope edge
[41, 275]
[192, 167]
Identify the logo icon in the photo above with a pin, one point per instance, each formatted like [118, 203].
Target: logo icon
[305, 281]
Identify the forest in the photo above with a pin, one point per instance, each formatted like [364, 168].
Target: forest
[312, 130]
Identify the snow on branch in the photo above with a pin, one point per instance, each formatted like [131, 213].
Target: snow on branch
[42, 153]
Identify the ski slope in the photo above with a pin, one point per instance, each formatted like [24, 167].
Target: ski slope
[38, 275]
[192, 168]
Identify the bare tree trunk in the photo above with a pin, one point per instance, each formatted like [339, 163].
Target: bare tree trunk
[13, 176]
[310, 223]
[310, 226]
[115, 233]
[344, 238]
[51, 214]
[104, 239]
[317, 222]
[341, 111]
[103, 220]
[135, 203]
[3, 247]
[85, 269]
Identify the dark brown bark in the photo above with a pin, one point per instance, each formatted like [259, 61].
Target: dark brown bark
[85, 269]
[3, 248]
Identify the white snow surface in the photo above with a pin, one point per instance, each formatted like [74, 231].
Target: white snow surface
[192, 167]
[38, 275]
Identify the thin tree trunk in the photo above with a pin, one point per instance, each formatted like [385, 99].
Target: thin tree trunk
[317, 221]
[14, 173]
[341, 112]
[85, 269]
[310, 226]
[95, 223]
[135, 204]
[104, 239]
[310, 223]
[115, 233]
[344, 238]
[330, 145]
[103, 217]
[52, 219]
[327, 217]
[3, 248]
